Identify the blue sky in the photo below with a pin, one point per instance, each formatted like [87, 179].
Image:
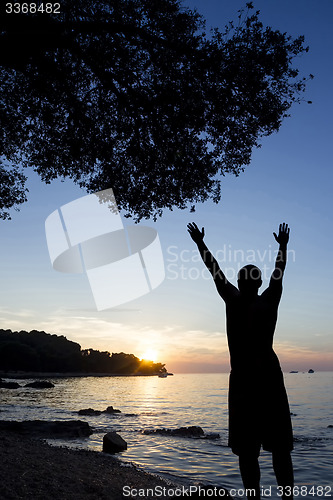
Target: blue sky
[183, 320]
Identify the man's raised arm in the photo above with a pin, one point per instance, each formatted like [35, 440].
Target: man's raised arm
[224, 287]
[281, 259]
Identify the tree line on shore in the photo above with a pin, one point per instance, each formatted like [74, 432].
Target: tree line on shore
[39, 351]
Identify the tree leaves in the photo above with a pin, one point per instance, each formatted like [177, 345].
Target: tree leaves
[134, 95]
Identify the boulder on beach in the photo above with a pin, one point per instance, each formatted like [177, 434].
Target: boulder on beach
[113, 443]
[111, 410]
[40, 384]
[89, 412]
[49, 429]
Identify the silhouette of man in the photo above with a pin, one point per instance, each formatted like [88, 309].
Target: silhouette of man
[258, 405]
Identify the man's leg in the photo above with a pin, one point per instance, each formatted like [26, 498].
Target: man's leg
[284, 473]
[250, 472]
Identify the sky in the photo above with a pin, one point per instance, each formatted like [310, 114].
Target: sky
[182, 321]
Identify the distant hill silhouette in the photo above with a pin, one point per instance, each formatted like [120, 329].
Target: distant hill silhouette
[42, 352]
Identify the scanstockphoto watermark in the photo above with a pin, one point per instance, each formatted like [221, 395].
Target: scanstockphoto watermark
[216, 492]
[185, 264]
[185, 492]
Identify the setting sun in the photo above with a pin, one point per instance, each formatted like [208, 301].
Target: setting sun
[150, 355]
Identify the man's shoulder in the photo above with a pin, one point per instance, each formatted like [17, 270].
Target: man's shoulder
[229, 293]
[273, 292]
[226, 290]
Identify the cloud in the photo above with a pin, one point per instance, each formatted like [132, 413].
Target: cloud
[21, 313]
[296, 357]
[176, 345]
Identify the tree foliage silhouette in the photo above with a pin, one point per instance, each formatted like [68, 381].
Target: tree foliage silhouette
[43, 352]
[137, 95]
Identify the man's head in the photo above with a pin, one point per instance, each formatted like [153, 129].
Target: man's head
[249, 279]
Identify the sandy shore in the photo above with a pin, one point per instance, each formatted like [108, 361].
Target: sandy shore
[30, 469]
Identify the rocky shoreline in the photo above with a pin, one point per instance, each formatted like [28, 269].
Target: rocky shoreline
[33, 470]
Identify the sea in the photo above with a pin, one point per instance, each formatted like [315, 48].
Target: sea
[182, 400]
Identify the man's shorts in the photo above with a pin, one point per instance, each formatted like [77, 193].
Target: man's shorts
[259, 413]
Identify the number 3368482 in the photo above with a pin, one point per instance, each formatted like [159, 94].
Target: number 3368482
[32, 8]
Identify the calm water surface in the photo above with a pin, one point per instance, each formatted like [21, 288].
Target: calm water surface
[184, 400]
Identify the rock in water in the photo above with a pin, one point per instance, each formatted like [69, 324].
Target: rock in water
[90, 412]
[40, 384]
[194, 431]
[49, 429]
[9, 385]
[110, 409]
[113, 443]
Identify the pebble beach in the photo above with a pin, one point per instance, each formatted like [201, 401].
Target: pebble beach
[31, 469]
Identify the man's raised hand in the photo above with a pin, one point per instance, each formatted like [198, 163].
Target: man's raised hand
[283, 236]
[195, 233]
